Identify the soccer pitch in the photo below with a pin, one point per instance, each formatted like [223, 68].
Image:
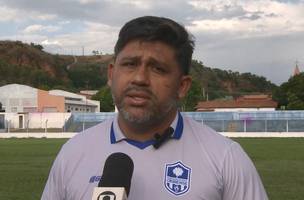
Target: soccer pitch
[25, 164]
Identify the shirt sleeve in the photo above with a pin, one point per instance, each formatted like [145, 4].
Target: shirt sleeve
[241, 180]
[54, 188]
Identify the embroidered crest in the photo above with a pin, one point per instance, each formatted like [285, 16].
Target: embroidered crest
[177, 178]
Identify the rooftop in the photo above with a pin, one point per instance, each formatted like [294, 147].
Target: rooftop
[247, 101]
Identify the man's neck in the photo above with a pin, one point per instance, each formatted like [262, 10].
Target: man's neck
[144, 132]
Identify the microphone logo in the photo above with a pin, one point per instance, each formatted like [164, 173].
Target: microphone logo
[107, 195]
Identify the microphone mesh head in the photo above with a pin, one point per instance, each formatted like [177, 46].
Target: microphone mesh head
[117, 171]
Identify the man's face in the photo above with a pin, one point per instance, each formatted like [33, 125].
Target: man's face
[146, 82]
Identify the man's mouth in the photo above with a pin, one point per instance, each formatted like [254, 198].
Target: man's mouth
[137, 98]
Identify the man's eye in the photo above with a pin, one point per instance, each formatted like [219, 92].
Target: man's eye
[128, 64]
[158, 69]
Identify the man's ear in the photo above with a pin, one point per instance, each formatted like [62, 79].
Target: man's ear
[110, 74]
[185, 85]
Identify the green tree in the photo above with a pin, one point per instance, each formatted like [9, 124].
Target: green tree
[294, 102]
[280, 96]
[87, 75]
[37, 46]
[290, 94]
[104, 95]
[194, 95]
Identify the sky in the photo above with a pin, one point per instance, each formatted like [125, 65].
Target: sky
[263, 37]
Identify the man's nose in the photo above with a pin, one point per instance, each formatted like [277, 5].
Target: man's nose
[141, 76]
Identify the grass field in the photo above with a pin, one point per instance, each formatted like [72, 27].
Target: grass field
[25, 163]
[24, 166]
[280, 162]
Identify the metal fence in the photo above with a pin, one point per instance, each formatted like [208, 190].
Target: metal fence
[255, 125]
[268, 121]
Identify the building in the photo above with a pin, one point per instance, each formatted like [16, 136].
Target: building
[27, 107]
[76, 103]
[296, 70]
[88, 93]
[18, 98]
[243, 103]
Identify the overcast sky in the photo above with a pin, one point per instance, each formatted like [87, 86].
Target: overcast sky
[264, 37]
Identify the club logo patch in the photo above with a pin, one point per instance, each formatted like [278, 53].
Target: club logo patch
[177, 178]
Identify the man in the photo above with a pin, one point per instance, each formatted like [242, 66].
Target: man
[148, 78]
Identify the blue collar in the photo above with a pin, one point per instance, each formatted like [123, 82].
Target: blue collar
[178, 131]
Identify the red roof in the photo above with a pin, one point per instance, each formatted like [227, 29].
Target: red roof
[247, 101]
[255, 96]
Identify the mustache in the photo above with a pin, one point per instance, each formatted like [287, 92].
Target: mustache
[138, 89]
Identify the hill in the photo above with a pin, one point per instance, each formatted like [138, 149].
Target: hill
[29, 64]
[217, 83]
[21, 54]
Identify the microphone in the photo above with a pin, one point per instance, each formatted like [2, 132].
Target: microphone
[116, 178]
[161, 139]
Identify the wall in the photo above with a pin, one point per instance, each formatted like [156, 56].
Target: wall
[52, 120]
[242, 109]
[36, 120]
[50, 102]
[12, 120]
[37, 135]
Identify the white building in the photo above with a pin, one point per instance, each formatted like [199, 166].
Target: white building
[19, 98]
[16, 98]
[77, 103]
[28, 107]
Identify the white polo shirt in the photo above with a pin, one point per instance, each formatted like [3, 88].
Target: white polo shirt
[195, 164]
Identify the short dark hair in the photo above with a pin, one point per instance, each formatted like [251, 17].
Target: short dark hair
[151, 28]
